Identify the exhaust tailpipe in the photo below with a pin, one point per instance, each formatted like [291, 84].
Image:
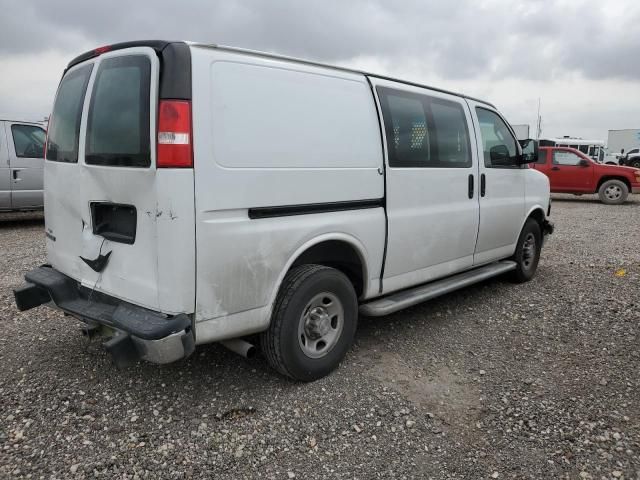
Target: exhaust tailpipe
[239, 346]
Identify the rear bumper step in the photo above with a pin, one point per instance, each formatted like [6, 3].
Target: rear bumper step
[157, 337]
[407, 298]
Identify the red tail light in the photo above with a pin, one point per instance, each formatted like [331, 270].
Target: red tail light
[174, 134]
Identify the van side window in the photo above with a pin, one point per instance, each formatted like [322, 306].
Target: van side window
[451, 134]
[561, 157]
[118, 121]
[64, 124]
[28, 140]
[424, 132]
[499, 145]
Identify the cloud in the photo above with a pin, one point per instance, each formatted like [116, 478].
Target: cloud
[456, 38]
[477, 45]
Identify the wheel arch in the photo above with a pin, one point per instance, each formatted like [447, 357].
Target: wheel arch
[537, 213]
[606, 178]
[338, 250]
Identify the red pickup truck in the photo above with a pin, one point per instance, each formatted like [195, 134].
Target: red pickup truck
[570, 171]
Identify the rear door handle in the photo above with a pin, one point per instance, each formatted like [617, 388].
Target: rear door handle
[483, 185]
[470, 186]
[15, 176]
[555, 168]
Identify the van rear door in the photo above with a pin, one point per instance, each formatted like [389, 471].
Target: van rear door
[115, 222]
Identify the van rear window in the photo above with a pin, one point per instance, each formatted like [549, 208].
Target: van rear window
[118, 121]
[64, 125]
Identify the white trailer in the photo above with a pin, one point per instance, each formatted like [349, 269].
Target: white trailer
[521, 131]
[622, 142]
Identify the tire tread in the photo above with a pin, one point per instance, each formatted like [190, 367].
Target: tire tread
[270, 339]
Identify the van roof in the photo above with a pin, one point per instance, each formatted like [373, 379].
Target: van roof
[7, 118]
[159, 45]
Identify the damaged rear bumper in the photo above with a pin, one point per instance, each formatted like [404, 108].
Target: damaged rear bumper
[140, 333]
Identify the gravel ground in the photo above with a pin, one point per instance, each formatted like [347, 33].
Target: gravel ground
[539, 380]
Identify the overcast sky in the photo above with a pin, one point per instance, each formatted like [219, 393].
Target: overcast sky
[581, 58]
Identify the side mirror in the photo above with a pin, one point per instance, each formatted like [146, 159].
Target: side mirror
[529, 151]
[583, 162]
[499, 155]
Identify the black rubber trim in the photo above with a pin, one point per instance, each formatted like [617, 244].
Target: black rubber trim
[175, 72]
[98, 307]
[306, 209]
[175, 68]
[385, 155]
[157, 45]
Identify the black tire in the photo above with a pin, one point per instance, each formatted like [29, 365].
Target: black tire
[527, 253]
[613, 192]
[635, 163]
[284, 344]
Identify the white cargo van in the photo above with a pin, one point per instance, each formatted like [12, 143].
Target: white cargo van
[200, 193]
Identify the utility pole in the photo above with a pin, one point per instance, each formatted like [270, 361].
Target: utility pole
[539, 122]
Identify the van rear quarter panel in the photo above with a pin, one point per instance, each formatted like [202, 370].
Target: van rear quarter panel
[272, 133]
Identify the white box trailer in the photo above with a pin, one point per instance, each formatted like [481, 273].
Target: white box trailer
[626, 139]
[521, 131]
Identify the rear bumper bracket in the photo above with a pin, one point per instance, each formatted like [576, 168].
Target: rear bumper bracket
[154, 336]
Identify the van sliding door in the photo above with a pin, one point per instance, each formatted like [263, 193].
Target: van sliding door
[432, 194]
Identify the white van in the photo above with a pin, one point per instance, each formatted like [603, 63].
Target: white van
[200, 193]
[21, 165]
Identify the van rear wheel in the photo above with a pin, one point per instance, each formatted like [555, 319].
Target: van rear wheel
[613, 192]
[313, 323]
[527, 253]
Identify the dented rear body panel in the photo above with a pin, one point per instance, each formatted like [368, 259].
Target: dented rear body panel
[156, 269]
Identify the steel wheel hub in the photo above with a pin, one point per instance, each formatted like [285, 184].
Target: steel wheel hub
[320, 325]
[613, 192]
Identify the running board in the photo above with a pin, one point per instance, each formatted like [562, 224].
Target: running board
[408, 298]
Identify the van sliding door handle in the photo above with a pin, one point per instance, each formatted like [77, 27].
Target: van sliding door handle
[483, 185]
[470, 186]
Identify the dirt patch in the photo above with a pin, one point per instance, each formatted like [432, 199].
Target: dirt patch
[439, 393]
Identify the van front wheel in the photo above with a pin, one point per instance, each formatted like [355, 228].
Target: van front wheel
[313, 323]
[527, 253]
